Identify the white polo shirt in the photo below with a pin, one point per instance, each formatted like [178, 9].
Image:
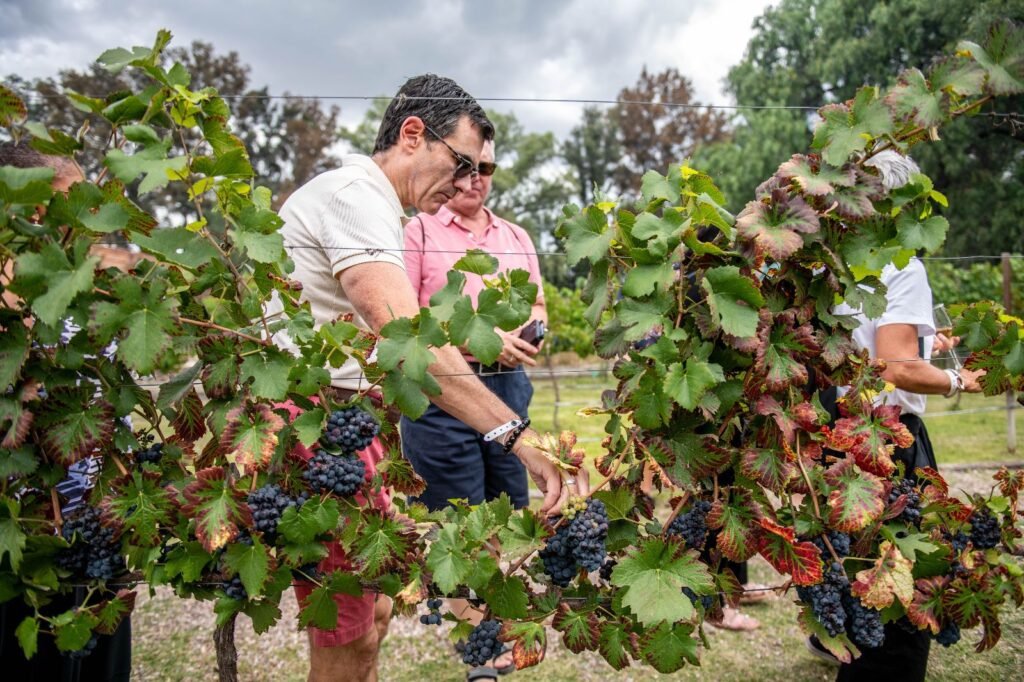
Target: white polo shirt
[908, 301]
[339, 219]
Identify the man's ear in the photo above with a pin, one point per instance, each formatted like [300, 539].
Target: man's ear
[412, 133]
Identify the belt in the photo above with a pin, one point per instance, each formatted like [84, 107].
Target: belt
[496, 368]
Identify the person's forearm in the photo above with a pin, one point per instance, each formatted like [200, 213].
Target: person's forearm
[463, 395]
[918, 376]
[539, 312]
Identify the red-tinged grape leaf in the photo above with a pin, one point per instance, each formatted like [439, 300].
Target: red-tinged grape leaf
[840, 646]
[110, 613]
[15, 423]
[814, 180]
[973, 601]
[913, 96]
[530, 642]
[579, 628]
[836, 348]
[1000, 57]
[871, 441]
[218, 509]
[381, 544]
[1010, 484]
[775, 362]
[776, 227]
[141, 505]
[768, 466]
[398, 474]
[857, 498]
[739, 530]
[768, 406]
[800, 560]
[12, 108]
[413, 592]
[937, 485]
[73, 431]
[617, 645]
[925, 609]
[852, 203]
[668, 647]
[189, 424]
[250, 438]
[890, 578]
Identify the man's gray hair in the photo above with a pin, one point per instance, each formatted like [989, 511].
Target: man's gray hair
[894, 168]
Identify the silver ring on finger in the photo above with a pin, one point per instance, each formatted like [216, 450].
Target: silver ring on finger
[570, 481]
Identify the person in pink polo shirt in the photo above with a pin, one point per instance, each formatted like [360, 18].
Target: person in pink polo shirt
[452, 457]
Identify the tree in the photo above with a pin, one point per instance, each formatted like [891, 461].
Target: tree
[362, 137]
[659, 135]
[288, 140]
[805, 53]
[592, 151]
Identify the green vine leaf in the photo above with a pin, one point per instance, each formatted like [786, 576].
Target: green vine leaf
[250, 438]
[216, 507]
[846, 129]
[686, 385]
[654, 574]
[142, 506]
[252, 563]
[668, 647]
[912, 97]
[586, 233]
[52, 280]
[579, 628]
[1002, 58]
[734, 300]
[926, 608]
[617, 644]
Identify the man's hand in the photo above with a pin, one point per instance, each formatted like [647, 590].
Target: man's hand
[549, 479]
[945, 343]
[971, 379]
[515, 351]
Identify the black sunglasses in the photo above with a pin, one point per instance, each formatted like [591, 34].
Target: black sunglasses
[486, 168]
[463, 165]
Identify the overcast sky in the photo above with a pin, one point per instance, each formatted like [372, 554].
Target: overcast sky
[578, 49]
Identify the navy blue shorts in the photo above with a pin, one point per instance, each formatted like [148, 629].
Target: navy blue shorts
[455, 461]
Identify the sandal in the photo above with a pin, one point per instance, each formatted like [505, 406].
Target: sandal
[733, 619]
[507, 668]
[482, 672]
[755, 592]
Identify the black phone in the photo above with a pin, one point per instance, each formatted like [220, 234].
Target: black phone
[533, 333]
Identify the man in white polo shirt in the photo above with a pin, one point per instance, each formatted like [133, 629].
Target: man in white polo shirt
[344, 231]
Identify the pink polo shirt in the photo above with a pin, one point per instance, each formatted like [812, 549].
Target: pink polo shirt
[434, 242]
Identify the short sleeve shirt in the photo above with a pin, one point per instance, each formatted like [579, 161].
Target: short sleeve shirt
[337, 220]
[908, 301]
[433, 243]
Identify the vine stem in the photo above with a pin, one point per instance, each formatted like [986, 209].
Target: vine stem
[227, 654]
[814, 501]
[120, 464]
[57, 518]
[227, 330]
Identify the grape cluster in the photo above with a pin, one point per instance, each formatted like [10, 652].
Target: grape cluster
[840, 543]
[150, 454]
[89, 647]
[984, 529]
[692, 526]
[588, 532]
[310, 571]
[826, 598]
[959, 542]
[864, 625]
[706, 600]
[948, 635]
[350, 429]
[577, 544]
[912, 512]
[483, 644]
[434, 617]
[339, 474]
[234, 589]
[95, 549]
[267, 504]
[606, 570]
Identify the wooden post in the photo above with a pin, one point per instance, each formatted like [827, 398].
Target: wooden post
[1011, 403]
[227, 655]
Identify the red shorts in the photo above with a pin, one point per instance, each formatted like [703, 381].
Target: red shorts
[355, 614]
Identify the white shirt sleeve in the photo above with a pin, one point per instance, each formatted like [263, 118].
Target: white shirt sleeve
[908, 298]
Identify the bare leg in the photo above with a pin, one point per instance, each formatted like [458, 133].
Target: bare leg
[356, 661]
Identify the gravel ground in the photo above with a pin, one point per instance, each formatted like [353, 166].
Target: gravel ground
[173, 641]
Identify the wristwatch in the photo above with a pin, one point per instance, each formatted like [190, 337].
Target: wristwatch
[956, 382]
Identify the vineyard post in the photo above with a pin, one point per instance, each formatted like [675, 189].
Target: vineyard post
[1011, 402]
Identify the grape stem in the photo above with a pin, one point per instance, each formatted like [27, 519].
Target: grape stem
[814, 501]
[675, 512]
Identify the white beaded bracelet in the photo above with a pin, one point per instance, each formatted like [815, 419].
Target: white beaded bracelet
[956, 382]
[501, 430]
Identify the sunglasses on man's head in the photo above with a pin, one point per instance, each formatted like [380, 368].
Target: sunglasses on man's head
[464, 166]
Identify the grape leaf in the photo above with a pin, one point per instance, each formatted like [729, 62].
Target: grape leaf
[846, 129]
[738, 530]
[398, 473]
[250, 437]
[179, 246]
[217, 508]
[856, 499]
[654, 574]
[586, 234]
[687, 385]
[839, 646]
[477, 262]
[319, 609]
[12, 537]
[815, 181]
[890, 578]
[314, 517]
[73, 629]
[530, 642]
[801, 560]
[406, 341]
[768, 466]
[142, 506]
[448, 559]
[27, 633]
[912, 96]
[252, 564]
[381, 545]
[668, 647]
[927, 234]
[264, 615]
[654, 185]
[12, 110]
[776, 227]
[507, 597]
[71, 431]
[579, 628]
[112, 612]
[1002, 58]
[151, 162]
[926, 609]
[616, 644]
[734, 300]
[523, 533]
[973, 601]
[402, 390]
[14, 345]
[52, 280]
[269, 373]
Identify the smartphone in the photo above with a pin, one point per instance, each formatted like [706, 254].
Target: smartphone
[533, 333]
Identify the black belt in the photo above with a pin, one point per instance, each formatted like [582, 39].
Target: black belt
[496, 368]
